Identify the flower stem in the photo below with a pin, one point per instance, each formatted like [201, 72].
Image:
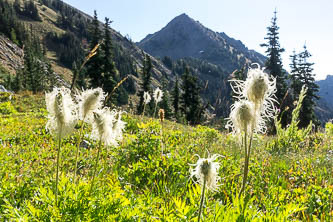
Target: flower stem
[95, 169]
[143, 112]
[247, 160]
[202, 199]
[57, 174]
[79, 139]
[155, 110]
[245, 164]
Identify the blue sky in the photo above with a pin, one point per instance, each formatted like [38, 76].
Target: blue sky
[300, 21]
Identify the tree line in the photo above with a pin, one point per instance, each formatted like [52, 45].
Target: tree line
[289, 85]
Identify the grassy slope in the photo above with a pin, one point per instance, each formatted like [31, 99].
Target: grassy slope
[136, 182]
[49, 18]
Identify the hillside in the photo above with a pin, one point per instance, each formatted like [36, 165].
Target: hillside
[211, 56]
[63, 34]
[184, 37]
[60, 25]
[325, 104]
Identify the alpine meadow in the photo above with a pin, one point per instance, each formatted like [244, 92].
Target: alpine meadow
[187, 124]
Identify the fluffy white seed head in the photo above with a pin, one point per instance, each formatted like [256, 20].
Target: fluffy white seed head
[259, 89]
[158, 94]
[119, 126]
[62, 115]
[241, 116]
[146, 97]
[89, 101]
[103, 121]
[206, 169]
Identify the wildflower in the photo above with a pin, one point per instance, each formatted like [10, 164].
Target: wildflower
[146, 98]
[158, 94]
[241, 116]
[61, 119]
[206, 172]
[103, 121]
[259, 89]
[118, 127]
[89, 101]
[62, 115]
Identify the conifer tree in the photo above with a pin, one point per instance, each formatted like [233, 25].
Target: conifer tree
[94, 65]
[274, 63]
[17, 6]
[295, 77]
[165, 99]
[108, 68]
[301, 72]
[190, 99]
[176, 98]
[145, 81]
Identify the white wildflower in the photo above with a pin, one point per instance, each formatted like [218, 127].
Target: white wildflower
[158, 94]
[207, 170]
[241, 116]
[118, 127]
[62, 116]
[259, 89]
[103, 121]
[89, 101]
[146, 97]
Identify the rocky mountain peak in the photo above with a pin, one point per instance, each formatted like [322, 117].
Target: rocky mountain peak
[184, 37]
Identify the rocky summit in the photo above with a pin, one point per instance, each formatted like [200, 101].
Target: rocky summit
[184, 37]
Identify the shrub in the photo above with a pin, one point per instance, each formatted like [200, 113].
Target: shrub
[7, 108]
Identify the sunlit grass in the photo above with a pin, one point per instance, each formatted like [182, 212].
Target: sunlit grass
[134, 182]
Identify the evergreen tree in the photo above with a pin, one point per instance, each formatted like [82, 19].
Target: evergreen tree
[175, 98]
[274, 63]
[295, 77]
[17, 6]
[108, 68]
[165, 99]
[30, 10]
[94, 65]
[145, 82]
[190, 99]
[302, 75]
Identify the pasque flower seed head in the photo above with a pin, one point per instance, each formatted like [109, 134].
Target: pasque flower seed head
[158, 94]
[241, 116]
[146, 97]
[102, 127]
[89, 101]
[206, 169]
[62, 115]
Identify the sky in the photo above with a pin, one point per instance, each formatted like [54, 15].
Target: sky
[301, 22]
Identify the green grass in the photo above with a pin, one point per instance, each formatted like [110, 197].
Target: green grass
[135, 182]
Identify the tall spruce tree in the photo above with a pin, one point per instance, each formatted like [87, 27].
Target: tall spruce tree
[274, 62]
[165, 99]
[190, 99]
[145, 81]
[108, 69]
[295, 77]
[302, 74]
[94, 65]
[175, 98]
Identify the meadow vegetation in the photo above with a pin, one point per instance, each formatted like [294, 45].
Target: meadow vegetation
[290, 176]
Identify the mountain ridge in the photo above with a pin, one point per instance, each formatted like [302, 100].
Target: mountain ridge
[184, 37]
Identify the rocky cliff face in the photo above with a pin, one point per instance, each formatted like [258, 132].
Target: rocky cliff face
[11, 56]
[185, 37]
